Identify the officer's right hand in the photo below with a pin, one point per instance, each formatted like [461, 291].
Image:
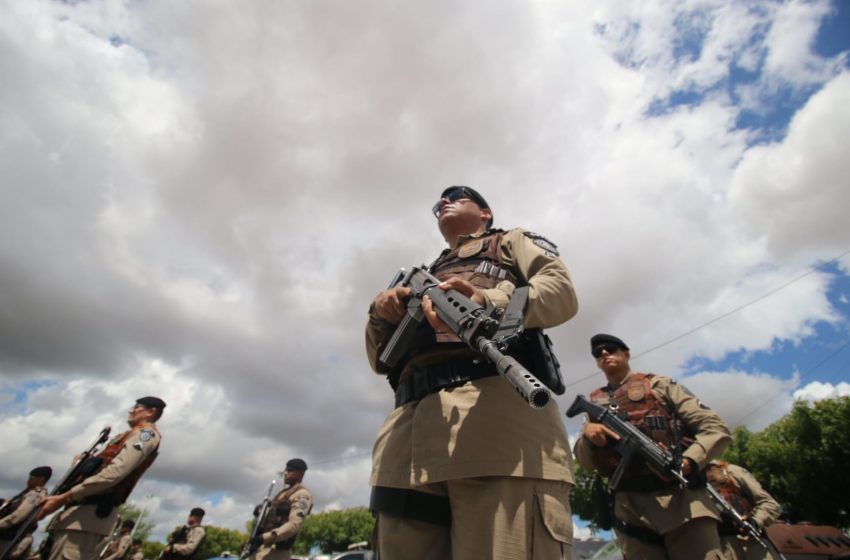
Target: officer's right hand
[391, 304]
[598, 434]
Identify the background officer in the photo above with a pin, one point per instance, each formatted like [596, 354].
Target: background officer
[464, 467]
[287, 512]
[745, 494]
[655, 518]
[185, 541]
[17, 510]
[118, 547]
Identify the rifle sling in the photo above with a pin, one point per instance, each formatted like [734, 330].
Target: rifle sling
[422, 382]
[642, 534]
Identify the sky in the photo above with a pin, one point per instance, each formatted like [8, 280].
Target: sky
[199, 200]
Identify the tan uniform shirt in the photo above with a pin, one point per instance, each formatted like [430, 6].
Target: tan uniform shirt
[120, 548]
[29, 502]
[666, 509]
[301, 501]
[482, 428]
[194, 537]
[137, 556]
[137, 448]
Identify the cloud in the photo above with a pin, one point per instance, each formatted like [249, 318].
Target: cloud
[817, 391]
[201, 203]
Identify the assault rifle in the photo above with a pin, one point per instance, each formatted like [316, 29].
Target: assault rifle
[469, 322]
[635, 444]
[262, 513]
[82, 466]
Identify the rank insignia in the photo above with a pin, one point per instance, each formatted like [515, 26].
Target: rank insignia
[636, 393]
[470, 248]
[543, 243]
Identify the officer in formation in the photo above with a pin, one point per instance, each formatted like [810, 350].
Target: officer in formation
[744, 493]
[15, 512]
[136, 551]
[91, 505]
[184, 542]
[464, 467]
[654, 518]
[286, 514]
[117, 548]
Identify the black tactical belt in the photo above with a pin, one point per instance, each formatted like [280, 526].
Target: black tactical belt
[643, 483]
[644, 535]
[411, 504]
[420, 383]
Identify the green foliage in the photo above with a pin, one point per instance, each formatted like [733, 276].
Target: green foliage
[586, 499]
[131, 511]
[334, 530]
[151, 549]
[802, 458]
[220, 540]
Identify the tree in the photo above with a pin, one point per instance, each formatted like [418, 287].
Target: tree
[801, 460]
[218, 540]
[334, 530]
[587, 499]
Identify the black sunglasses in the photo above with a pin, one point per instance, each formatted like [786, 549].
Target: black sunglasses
[610, 347]
[453, 195]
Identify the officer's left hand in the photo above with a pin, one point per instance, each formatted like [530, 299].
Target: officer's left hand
[454, 283]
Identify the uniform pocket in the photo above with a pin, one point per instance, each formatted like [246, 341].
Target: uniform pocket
[552, 533]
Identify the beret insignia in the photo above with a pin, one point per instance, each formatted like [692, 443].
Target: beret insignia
[542, 242]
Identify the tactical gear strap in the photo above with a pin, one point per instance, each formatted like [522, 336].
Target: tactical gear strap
[422, 382]
[410, 504]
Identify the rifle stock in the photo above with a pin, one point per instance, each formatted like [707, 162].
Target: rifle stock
[61, 487]
[469, 322]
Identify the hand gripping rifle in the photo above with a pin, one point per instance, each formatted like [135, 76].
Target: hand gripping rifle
[469, 322]
[634, 443]
[262, 513]
[78, 468]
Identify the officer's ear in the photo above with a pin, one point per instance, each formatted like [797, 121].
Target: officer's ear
[486, 215]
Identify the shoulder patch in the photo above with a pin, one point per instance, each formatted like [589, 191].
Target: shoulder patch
[542, 242]
[146, 435]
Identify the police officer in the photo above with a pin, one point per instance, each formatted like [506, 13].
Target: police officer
[287, 512]
[656, 518]
[16, 511]
[91, 505]
[136, 552]
[184, 542]
[744, 493]
[118, 547]
[464, 467]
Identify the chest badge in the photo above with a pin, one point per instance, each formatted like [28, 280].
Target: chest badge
[636, 393]
[471, 248]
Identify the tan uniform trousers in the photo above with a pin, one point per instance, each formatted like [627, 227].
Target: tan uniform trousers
[735, 548]
[493, 518]
[695, 540]
[74, 545]
[266, 553]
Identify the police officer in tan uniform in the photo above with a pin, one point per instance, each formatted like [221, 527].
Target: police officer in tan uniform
[17, 510]
[464, 467]
[136, 552]
[287, 512]
[655, 518]
[91, 505]
[744, 493]
[184, 542]
[118, 547]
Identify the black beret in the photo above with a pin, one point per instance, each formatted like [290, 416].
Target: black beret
[597, 339]
[473, 194]
[296, 465]
[151, 402]
[137, 540]
[128, 523]
[46, 472]
[197, 512]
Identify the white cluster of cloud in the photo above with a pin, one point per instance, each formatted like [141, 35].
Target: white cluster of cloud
[817, 391]
[200, 200]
